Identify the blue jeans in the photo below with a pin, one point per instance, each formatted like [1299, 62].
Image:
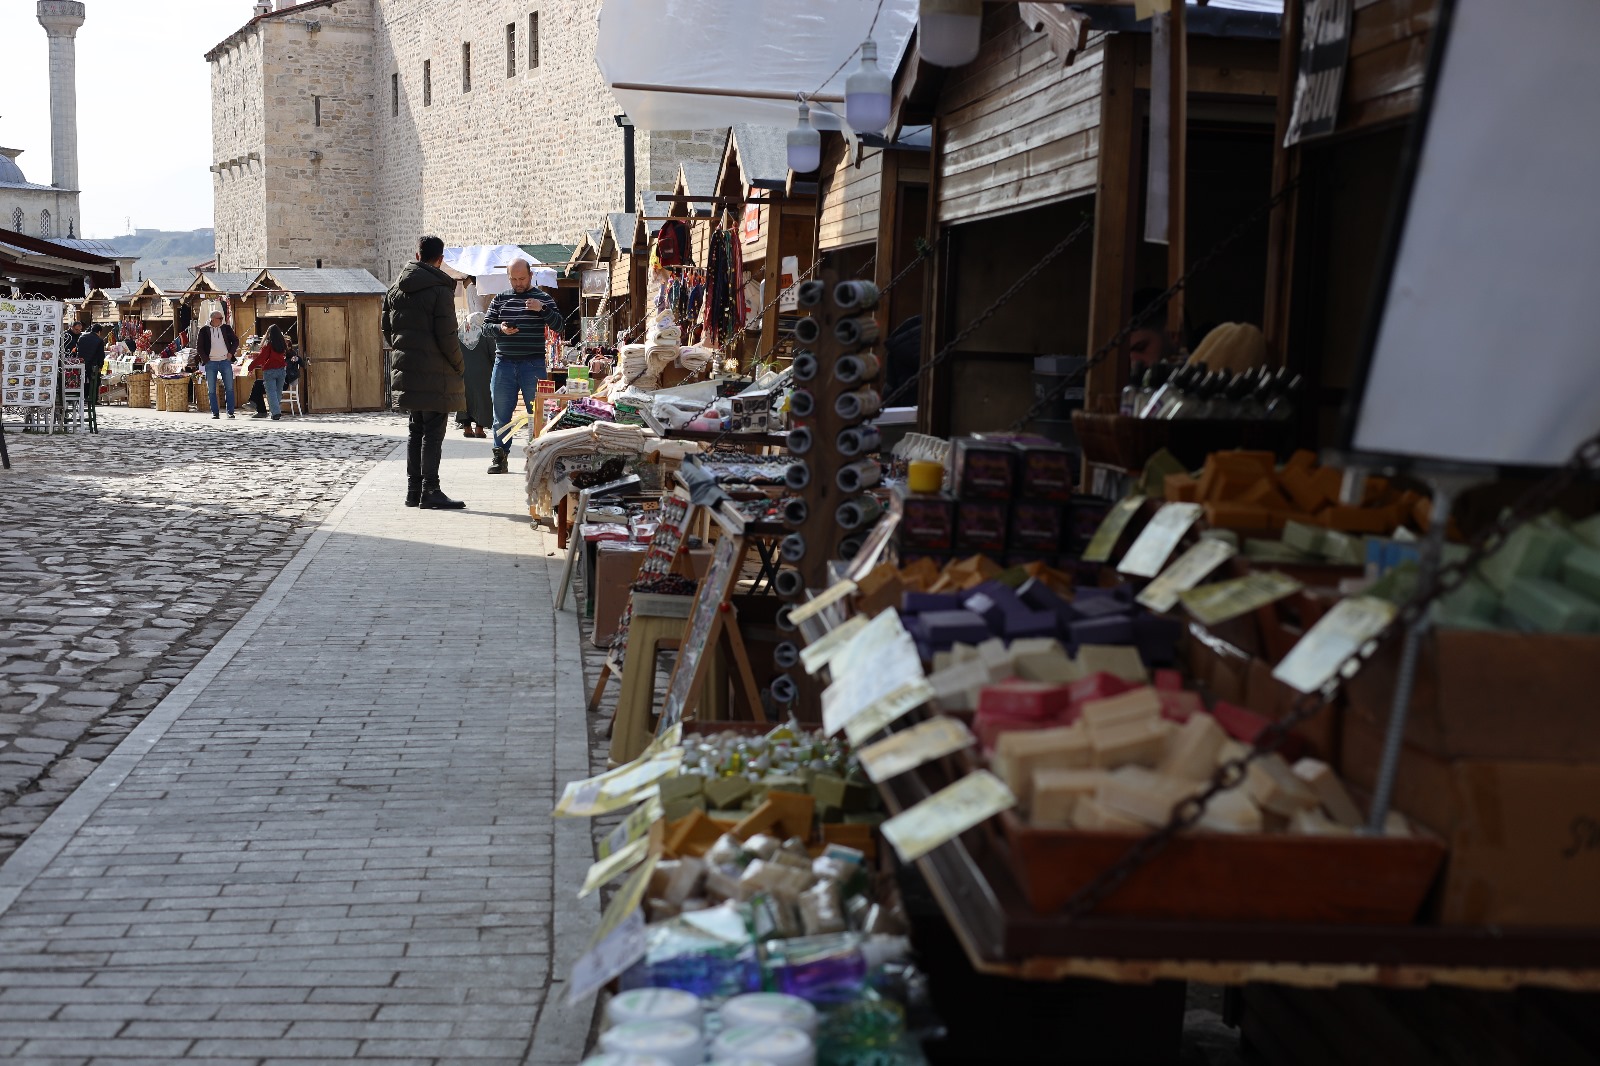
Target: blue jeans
[509, 376]
[273, 381]
[213, 368]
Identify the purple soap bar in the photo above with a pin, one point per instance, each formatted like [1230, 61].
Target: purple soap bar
[993, 601]
[1026, 623]
[1041, 597]
[1157, 638]
[1100, 607]
[918, 602]
[1081, 593]
[1124, 592]
[943, 628]
[1114, 629]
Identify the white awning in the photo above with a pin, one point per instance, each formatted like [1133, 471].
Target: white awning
[679, 53]
[475, 259]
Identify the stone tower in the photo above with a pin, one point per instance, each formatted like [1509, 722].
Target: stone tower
[61, 19]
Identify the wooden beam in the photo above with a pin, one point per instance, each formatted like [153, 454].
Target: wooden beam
[1178, 167]
[932, 387]
[1280, 224]
[1114, 221]
[769, 294]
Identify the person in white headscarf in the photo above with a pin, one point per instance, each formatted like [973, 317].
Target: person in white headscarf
[477, 351]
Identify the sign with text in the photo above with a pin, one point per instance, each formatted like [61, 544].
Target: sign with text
[1324, 52]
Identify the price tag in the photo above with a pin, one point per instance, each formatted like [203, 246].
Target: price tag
[633, 827]
[832, 595]
[871, 668]
[1339, 634]
[621, 860]
[908, 750]
[1116, 520]
[620, 940]
[884, 712]
[1149, 551]
[1190, 569]
[620, 787]
[815, 656]
[1211, 604]
[947, 814]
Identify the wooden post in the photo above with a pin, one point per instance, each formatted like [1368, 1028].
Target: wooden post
[1280, 224]
[932, 415]
[769, 295]
[1114, 221]
[1178, 167]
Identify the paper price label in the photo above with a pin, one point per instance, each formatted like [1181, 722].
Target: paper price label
[621, 860]
[883, 713]
[1190, 569]
[1149, 551]
[618, 943]
[832, 595]
[815, 656]
[618, 788]
[1339, 634]
[1116, 520]
[1211, 604]
[633, 827]
[908, 750]
[947, 814]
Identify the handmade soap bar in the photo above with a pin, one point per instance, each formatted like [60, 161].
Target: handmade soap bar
[1312, 822]
[1025, 623]
[1117, 661]
[1050, 667]
[1141, 794]
[1192, 749]
[1532, 550]
[725, 793]
[1141, 703]
[991, 601]
[1055, 793]
[1024, 699]
[1088, 813]
[947, 627]
[1231, 812]
[1330, 791]
[1548, 607]
[680, 786]
[1581, 572]
[957, 687]
[1139, 742]
[1097, 686]
[1113, 629]
[1018, 756]
[1275, 788]
[1179, 706]
[1169, 680]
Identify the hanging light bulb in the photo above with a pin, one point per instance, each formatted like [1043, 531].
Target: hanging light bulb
[950, 31]
[805, 145]
[866, 93]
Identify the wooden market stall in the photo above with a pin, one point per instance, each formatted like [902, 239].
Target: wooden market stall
[647, 221]
[616, 251]
[159, 304]
[216, 290]
[593, 274]
[337, 316]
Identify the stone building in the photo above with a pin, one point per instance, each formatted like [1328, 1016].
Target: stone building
[50, 211]
[343, 129]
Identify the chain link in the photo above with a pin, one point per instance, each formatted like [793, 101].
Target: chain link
[1230, 774]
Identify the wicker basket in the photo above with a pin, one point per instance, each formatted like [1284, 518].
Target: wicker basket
[172, 394]
[139, 390]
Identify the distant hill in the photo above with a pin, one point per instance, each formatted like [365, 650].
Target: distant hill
[166, 252]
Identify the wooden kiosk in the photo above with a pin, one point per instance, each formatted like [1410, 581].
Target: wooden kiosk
[337, 314]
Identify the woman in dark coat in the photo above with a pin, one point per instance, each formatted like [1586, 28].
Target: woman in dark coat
[477, 351]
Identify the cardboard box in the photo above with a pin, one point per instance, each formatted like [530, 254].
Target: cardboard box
[1268, 696]
[616, 567]
[1493, 695]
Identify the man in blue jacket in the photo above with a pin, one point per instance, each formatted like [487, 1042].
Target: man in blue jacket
[518, 319]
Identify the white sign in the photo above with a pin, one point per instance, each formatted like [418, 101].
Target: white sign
[30, 352]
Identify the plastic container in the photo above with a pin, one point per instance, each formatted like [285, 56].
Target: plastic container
[779, 1046]
[655, 1005]
[677, 1042]
[924, 476]
[770, 1009]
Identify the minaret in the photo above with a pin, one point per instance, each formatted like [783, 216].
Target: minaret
[61, 19]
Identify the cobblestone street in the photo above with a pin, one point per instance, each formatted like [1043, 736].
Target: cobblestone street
[125, 556]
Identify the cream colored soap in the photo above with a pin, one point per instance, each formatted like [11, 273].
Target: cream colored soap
[1276, 789]
[1138, 704]
[1087, 813]
[1192, 749]
[1056, 793]
[1141, 794]
[1330, 792]
[1312, 822]
[1019, 754]
[1113, 659]
[1231, 812]
[1141, 742]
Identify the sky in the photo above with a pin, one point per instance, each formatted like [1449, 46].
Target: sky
[144, 107]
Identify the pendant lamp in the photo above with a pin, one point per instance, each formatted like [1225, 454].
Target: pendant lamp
[950, 31]
[805, 145]
[866, 93]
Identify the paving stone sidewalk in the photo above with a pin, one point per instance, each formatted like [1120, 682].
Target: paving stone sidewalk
[331, 842]
[124, 557]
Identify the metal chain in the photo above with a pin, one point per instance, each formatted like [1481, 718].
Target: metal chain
[1138, 320]
[1230, 774]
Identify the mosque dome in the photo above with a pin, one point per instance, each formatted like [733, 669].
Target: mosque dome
[9, 171]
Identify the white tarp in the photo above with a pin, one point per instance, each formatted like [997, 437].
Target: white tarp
[488, 263]
[778, 46]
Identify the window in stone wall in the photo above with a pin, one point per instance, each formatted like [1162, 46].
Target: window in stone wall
[394, 95]
[316, 110]
[466, 66]
[427, 83]
[16, 221]
[511, 49]
[44, 223]
[533, 40]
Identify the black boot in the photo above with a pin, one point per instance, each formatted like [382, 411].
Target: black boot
[414, 464]
[434, 499]
[499, 464]
[413, 491]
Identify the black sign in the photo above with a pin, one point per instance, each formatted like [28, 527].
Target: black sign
[1324, 51]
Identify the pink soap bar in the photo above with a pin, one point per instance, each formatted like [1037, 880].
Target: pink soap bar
[1024, 699]
[1169, 681]
[1101, 686]
[1246, 725]
[988, 729]
[1177, 706]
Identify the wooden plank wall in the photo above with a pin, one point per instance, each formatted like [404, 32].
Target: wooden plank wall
[849, 199]
[1388, 61]
[366, 353]
[1021, 129]
[621, 272]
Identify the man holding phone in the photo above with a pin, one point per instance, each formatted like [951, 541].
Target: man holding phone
[518, 319]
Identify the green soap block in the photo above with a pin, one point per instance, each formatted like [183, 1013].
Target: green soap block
[1397, 586]
[1227, 536]
[728, 816]
[681, 787]
[683, 805]
[1342, 548]
[1273, 551]
[1548, 607]
[1588, 531]
[1445, 616]
[1153, 480]
[1533, 550]
[727, 792]
[829, 790]
[1304, 538]
[1581, 572]
[865, 818]
[784, 783]
[1474, 598]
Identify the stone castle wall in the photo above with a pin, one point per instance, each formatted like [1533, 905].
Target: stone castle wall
[238, 130]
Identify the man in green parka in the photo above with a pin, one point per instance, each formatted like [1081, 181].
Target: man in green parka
[419, 322]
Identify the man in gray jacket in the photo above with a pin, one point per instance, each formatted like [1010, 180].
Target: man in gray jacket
[419, 322]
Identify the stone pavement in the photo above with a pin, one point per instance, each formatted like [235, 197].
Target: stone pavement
[125, 556]
[331, 842]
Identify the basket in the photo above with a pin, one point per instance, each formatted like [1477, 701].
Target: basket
[172, 394]
[138, 390]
